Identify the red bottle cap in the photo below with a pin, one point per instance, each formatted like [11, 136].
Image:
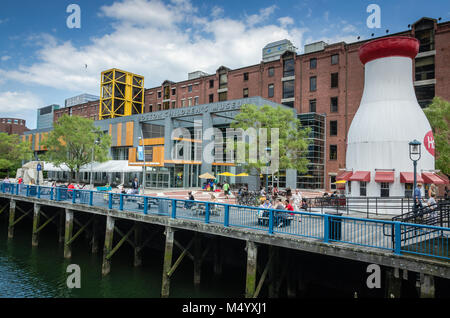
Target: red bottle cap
[392, 46]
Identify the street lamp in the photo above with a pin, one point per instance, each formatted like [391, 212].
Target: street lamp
[414, 155]
[268, 149]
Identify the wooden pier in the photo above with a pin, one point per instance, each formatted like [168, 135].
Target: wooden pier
[270, 257]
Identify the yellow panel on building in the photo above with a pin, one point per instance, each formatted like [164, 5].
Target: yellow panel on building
[121, 94]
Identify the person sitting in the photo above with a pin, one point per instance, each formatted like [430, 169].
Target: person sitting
[188, 204]
[432, 205]
[304, 204]
[280, 216]
[265, 205]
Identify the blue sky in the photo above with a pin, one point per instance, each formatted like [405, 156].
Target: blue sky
[43, 62]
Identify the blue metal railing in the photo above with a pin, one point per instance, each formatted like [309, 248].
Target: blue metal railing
[398, 237]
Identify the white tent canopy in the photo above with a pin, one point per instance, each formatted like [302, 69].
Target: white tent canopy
[107, 166]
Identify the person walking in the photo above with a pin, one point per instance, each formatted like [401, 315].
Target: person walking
[226, 189]
[297, 200]
[418, 196]
[135, 186]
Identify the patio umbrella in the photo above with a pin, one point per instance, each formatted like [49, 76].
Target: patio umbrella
[206, 176]
[227, 174]
[243, 174]
[340, 181]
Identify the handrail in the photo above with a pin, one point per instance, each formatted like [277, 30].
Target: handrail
[326, 227]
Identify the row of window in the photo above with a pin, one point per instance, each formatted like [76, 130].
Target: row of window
[313, 61]
[384, 188]
[333, 105]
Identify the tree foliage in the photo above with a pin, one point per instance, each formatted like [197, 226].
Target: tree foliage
[12, 151]
[438, 114]
[72, 141]
[293, 142]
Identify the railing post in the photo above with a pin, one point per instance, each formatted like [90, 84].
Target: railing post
[174, 208]
[3, 188]
[28, 190]
[145, 205]
[58, 194]
[397, 238]
[271, 215]
[91, 197]
[376, 206]
[51, 193]
[17, 189]
[74, 195]
[226, 218]
[38, 192]
[326, 227]
[207, 213]
[110, 200]
[121, 202]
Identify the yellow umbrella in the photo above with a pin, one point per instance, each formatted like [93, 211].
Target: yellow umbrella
[243, 174]
[227, 174]
[340, 181]
[206, 176]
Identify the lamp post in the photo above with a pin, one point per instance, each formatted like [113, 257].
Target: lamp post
[268, 149]
[414, 155]
[144, 170]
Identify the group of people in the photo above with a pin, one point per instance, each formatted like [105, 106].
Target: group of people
[430, 204]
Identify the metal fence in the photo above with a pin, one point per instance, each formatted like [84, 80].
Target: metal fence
[398, 237]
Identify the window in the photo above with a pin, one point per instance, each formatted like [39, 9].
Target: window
[246, 76]
[289, 104]
[159, 94]
[334, 80]
[173, 104]
[211, 98]
[349, 187]
[335, 59]
[362, 188]
[333, 152]
[408, 190]
[211, 83]
[245, 92]
[333, 104]
[270, 90]
[271, 71]
[312, 83]
[190, 101]
[333, 128]
[223, 80]
[312, 106]
[333, 182]
[384, 189]
[222, 96]
[159, 106]
[183, 102]
[425, 94]
[174, 91]
[288, 89]
[189, 88]
[288, 67]
[313, 63]
[424, 68]
[196, 100]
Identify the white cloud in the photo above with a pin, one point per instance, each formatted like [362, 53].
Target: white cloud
[285, 21]
[155, 39]
[217, 12]
[4, 58]
[20, 105]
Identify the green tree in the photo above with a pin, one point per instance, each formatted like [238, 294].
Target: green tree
[72, 142]
[438, 114]
[293, 138]
[12, 151]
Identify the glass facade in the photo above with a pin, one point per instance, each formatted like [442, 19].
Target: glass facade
[314, 178]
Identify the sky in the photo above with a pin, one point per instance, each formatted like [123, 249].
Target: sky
[43, 61]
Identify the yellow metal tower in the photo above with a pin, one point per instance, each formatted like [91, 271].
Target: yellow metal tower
[121, 94]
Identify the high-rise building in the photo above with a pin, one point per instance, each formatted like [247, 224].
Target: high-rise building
[45, 116]
[80, 99]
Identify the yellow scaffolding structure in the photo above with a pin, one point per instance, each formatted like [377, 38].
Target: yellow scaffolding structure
[121, 94]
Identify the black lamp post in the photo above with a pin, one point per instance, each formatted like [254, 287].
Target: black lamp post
[414, 155]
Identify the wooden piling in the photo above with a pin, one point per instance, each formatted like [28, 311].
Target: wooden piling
[197, 260]
[165, 286]
[68, 234]
[35, 233]
[106, 265]
[94, 240]
[217, 258]
[252, 257]
[12, 213]
[427, 288]
[393, 283]
[137, 245]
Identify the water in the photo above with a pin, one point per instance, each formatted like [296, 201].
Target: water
[40, 272]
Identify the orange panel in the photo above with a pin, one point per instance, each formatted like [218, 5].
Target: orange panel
[152, 141]
[110, 129]
[119, 134]
[129, 136]
[132, 155]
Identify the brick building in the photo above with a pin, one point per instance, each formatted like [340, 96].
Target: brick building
[326, 80]
[13, 126]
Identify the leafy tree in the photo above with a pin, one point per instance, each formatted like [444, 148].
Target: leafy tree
[12, 151]
[72, 141]
[438, 114]
[293, 142]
